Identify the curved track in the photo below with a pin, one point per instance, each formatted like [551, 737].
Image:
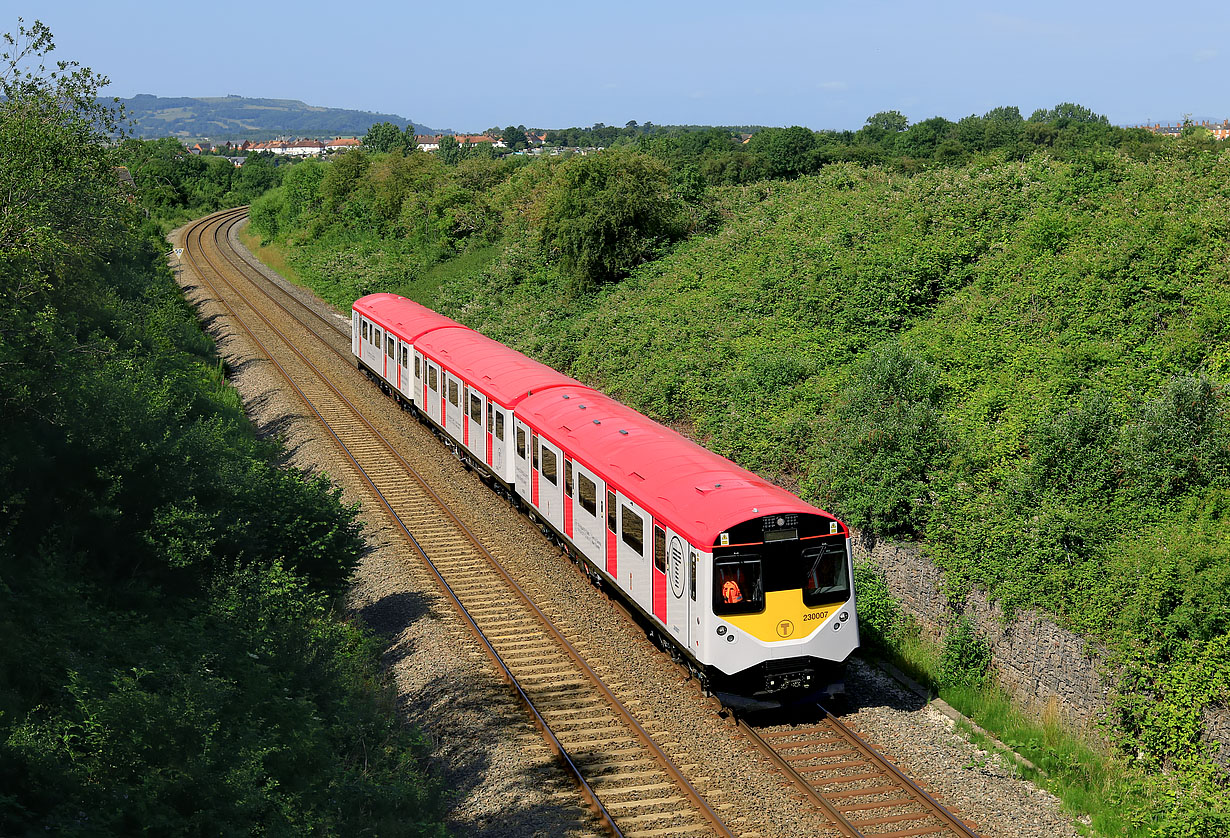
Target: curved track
[627, 778]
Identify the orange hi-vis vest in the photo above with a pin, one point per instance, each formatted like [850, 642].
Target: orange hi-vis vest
[730, 592]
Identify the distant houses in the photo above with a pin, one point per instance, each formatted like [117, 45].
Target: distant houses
[1219, 131]
[302, 148]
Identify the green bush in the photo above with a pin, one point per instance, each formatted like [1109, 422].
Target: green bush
[966, 658]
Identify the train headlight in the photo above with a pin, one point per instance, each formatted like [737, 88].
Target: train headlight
[721, 630]
[836, 625]
[845, 615]
[730, 638]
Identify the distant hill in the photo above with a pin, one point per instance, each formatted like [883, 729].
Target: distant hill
[238, 118]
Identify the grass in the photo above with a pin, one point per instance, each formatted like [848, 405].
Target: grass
[1096, 786]
[272, 255]
[423, 290]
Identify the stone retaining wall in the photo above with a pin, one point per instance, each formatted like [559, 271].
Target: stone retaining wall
[1046, 667]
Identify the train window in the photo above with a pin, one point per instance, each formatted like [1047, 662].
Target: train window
[548, 466]
[610, 511]
[490, 416]
[499, 427]
[391, 347]
[738, 585]
[692, 575]
[534, 450]
[659, 549]
[568, 478]
[476, 409]
[827, 580]
[363, 323]
[521, 443]
[405, 355]
[431, 377]
[452, 392]
[377, 338]
[634, 531]
[587, 494]
[417, 371]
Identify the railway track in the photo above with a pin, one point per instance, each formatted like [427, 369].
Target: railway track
[627, 778]
[860, 790]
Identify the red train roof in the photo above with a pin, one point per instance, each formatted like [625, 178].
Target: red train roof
[406, 318]
[697, 493]
[503, 374]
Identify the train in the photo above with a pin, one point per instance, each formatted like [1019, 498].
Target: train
[741, 581]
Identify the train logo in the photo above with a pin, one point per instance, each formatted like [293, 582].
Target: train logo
[785, 628]
[676, 558]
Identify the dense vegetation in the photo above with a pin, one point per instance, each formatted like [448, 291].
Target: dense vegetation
[172, 661]
[1009, 342]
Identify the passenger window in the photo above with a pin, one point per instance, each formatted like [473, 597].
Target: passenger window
[521, 443]
[738, 585]
[827, 580]
[432, 381]
[391, 348]
[363, 323]
[405, 355]
[476, 409]
[610, 511]
[490, 416]
[417, 372]
[659, 549]
[452, 392]
[534, 450]
[587, 494]
[499, 428]
[568, 478]
[548, 466]
[377, 338]
[634, 531]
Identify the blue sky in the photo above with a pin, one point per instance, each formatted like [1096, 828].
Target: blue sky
[471, 64]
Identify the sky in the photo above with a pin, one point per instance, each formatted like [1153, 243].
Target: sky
[468, 65]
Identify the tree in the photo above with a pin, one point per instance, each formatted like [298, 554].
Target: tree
[786, 152]
[889, 121]
[386, 137]
[451, 152]
[514, 137]
[606, 213]
[1067, 113]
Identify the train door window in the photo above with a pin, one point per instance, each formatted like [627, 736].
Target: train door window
[692, 574]
[417, 369]
[827, 580]
[634, 531]
[363, 323]
[534, 450]
[610, 511]
[499, 427]
[452, 392]
[521, 443]
[377, 338]
[548, 466]
[476, 408]
[405, 355]
[659, 549]
[738, 585]
[587, 494]
[568, 478]
[432, 381]
[391, 348]
[490, 416]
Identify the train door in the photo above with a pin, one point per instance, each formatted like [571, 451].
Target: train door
[390, 363]
[588, 517]
[521, 459]
[670, 582]
[497, 442]
[418, 391]
[404, 382]
[632, 551]
[431, 391]
[550, 485]
[453, 422]
[476, 436]
[612, 535]
[356, 334]
[569, 496]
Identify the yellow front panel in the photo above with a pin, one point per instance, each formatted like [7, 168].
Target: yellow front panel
[785, 617]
